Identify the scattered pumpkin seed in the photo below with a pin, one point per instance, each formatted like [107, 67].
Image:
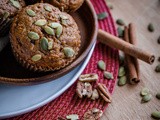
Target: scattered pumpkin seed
[108, 75]
[101, 65]
[121, 71]
[158, 40]
[69, 52]
[120, 32]
[102, 15]
[54, 24]
[63, 17]
[44, 43]
[36, 57]
[146, 98]
[144, 91]
[59, 31]
[31, 12]
[157, 68]
[110, 6]
[156, 114]
[120, 22]
[40, 22]
[6, 15]
[151, 27]
[47, 8]
[33, 35]
[50, 44]
[122, 81]
[15, 3]
[49, 30]
[121, 59]
[158, 95]
[72, 117]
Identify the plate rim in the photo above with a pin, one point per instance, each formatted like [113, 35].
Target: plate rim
[52, 97]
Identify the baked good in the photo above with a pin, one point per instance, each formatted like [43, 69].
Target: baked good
[8, 9]
[66, 5]
[43, 38]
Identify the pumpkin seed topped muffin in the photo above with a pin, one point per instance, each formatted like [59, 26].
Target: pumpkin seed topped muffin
[43, 38]
[8, 9]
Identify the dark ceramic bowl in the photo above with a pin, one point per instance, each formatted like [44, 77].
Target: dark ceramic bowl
[11, 72]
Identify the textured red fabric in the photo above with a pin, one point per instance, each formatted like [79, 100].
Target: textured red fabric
[68, 102]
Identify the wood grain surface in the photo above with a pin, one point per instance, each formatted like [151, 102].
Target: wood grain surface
[126, 103]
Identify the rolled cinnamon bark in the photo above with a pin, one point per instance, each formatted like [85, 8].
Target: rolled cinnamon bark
[132, 72]
[133, 40]
[127, 48]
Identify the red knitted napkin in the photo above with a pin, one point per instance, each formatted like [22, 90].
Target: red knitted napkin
[68, 102]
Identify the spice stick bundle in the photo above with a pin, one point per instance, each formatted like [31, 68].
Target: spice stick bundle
[126, 47]
[132, 63]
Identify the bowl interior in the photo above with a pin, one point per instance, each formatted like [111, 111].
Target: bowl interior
[12, 72]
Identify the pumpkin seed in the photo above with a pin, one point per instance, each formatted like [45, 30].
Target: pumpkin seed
[33, 35]
[157, 68]
[102, 15]
[121, 72]
[44, 43]
[50, 44]
[72, 117]
[31, 12]
[49, 30]
[108, 75]
[47, 8]
[63, 17]
[158, 96]
[64, 22]
[69, 52]
[146, 98]
[151, 27]
[121, 58]
[59, 31]
[156, 114]
[120, 22]
[54, 24]
[110, 6]
[120, 32]
[15, 3]
[122, 81]
[36, 57]
[6, 15]
[40, 22]
[144, 91]
[101, 65]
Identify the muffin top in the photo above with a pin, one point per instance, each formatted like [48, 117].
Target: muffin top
[66, 5]
[10, 7]
[45, 37]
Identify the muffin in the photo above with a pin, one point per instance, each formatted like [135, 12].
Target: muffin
[43, 38]
[8, 9]
[66, 5]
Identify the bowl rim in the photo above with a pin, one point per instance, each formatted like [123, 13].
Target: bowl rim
[52, 76]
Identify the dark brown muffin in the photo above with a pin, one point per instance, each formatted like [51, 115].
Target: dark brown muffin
[66, 5]
[43, 38]
[8, 9]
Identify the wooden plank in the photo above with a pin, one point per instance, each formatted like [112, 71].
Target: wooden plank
[126, 103]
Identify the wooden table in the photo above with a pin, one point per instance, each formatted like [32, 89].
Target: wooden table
[126, 103]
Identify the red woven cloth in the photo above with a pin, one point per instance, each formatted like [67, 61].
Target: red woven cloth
[68, 102]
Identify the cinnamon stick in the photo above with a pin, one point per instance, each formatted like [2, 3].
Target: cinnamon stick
[133, 40]
[127, 48]
[132, 72]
